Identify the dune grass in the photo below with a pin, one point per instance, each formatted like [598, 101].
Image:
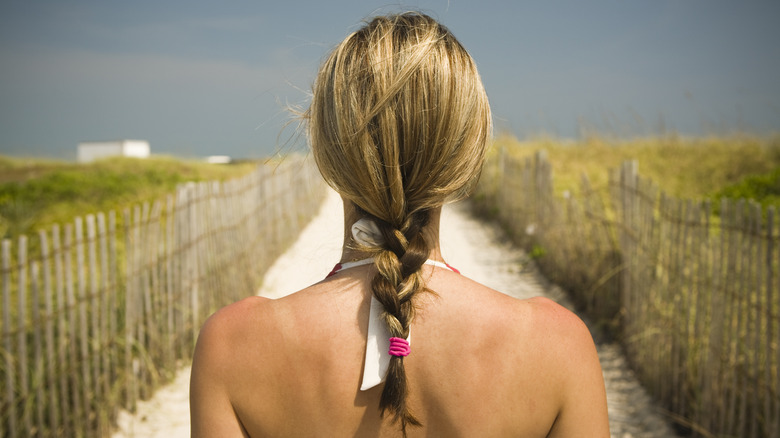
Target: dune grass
[35, 193]
[688, 168]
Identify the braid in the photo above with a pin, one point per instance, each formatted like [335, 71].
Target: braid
[397, 280]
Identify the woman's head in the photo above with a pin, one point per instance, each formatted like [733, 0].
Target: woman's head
[399, 119]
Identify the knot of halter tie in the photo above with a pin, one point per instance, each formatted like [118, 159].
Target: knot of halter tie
[399, 347]
[376, 362]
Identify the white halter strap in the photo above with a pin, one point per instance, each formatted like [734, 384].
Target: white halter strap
[378, 340]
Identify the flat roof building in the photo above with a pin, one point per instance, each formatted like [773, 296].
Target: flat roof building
[91, 151]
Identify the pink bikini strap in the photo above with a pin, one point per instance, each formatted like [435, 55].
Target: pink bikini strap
[452, 269]
[335, 270]
[399, 347]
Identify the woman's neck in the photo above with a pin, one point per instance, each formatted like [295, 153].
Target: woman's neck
[349, 253]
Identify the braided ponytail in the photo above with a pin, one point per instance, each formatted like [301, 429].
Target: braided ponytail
[398, 124]
[397, 280]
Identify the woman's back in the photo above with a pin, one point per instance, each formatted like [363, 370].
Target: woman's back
[484, 364]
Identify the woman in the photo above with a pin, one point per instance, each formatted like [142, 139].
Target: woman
[394, 342]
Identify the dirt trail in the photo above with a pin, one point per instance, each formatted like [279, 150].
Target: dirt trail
[479, 251]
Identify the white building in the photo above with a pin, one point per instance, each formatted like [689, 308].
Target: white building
[91, 151]
[219, 159]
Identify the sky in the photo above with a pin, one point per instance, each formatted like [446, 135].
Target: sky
[197, 78]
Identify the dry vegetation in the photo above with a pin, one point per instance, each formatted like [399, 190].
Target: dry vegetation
[688, 168]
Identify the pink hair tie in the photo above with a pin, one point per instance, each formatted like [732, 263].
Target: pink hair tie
[399, 347]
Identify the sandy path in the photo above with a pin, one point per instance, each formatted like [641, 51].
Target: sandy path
[478, 250]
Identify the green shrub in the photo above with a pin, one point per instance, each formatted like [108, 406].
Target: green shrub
[763, 188]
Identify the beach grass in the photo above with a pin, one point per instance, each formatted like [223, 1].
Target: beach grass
[687, 168]
[37, 193]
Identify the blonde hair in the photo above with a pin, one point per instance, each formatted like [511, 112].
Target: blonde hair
[398, 125]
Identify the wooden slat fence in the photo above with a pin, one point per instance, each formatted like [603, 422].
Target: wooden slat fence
[693, 291]
[108, 307]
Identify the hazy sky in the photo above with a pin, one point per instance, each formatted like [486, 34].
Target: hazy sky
[201, 78]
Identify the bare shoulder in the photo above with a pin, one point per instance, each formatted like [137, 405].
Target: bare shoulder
[560, 336]
[233, 319]
[558, 320]
[543, 354]
[539, 315]
[219, 356]
[223, 334]
[239, 312]
[539, 329]
[571, 361]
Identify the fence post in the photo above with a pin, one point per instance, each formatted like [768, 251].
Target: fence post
[8, 350]
[192, 256]
[168, 290]
[66, 403]
[131, 388]
[628, 175]
[24, 378]
[94, 310]
[38, 372]
[103, 336]
[771, 419]
[51, 384]
[114, 335]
